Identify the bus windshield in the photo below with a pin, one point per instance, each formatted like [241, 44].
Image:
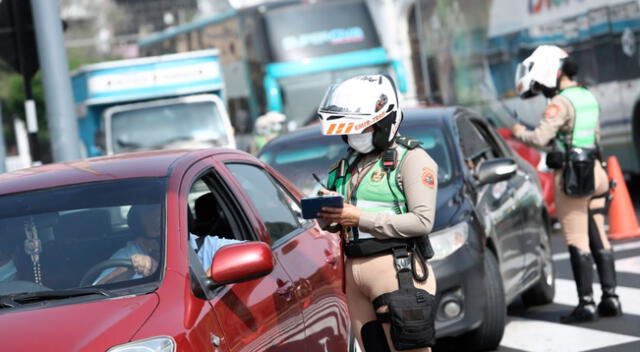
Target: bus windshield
[181, 124]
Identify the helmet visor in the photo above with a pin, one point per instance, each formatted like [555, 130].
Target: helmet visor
[338, 100]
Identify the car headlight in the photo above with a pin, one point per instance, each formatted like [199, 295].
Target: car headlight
[449, 240]
[154, 344]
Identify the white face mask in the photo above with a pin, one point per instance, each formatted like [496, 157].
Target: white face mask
[362, 143]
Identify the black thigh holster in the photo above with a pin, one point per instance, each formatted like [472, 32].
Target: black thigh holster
[411, 310]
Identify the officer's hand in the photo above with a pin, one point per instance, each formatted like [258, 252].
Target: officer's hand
[143, 264]
[517, 128]
[349, 215]
[326, 192]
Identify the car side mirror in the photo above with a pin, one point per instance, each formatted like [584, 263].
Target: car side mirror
[495, 170]
[240, 262]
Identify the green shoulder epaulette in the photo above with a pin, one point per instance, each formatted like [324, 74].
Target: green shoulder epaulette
[408, 142]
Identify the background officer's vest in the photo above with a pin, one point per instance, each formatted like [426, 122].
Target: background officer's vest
[374, 192]
[586, 120]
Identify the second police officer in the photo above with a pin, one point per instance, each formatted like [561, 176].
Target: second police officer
[389, 186]
[571, 125]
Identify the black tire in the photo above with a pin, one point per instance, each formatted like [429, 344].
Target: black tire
[487, 337]
[545, 289]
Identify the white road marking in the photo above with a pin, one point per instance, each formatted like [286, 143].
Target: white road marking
[616, 248]
[536, 335]
[628, 265]
[566, 294]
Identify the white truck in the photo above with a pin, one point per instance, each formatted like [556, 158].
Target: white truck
[160, 102]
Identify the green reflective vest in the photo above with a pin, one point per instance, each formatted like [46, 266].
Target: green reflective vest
[586, 119]
[375, 192]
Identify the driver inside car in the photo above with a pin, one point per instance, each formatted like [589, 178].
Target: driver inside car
[144, 251]
[9, 246]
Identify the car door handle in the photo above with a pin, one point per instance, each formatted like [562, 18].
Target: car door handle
[332, 259]
[285, 289]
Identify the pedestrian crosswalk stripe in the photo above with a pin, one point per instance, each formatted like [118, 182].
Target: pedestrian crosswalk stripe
[566, 294]
[536, 335]
[629, 265]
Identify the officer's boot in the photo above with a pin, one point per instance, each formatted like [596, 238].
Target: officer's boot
[610, 303]
[582, 266]
[605, 262]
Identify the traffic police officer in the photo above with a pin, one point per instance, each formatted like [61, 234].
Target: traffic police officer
[389, 186]
[571, 124]
[267, 127]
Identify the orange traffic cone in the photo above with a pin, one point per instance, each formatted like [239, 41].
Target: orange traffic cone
[622, 217]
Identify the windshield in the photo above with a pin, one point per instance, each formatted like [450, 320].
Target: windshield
[302, 94]
[79, 236]
[159, 127]
[297, 159]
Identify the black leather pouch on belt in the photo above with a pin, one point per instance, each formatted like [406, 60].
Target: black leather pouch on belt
[411, 310]
[555, 159]
[578, 174]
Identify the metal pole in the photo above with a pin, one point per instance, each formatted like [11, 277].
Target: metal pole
[3, 151]
[63, 126]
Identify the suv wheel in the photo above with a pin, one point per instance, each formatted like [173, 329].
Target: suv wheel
[544, 290]
[489, 334]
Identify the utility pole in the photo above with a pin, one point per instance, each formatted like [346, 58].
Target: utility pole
[63, 126]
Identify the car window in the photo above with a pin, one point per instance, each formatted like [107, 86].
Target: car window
[279, 211]
[435, 143]
[474, 146]
[488, 137]
[69, 237]
[209, 219]
[297, 160]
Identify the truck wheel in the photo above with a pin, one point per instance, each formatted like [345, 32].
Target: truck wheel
[487, 337]
[544, 290]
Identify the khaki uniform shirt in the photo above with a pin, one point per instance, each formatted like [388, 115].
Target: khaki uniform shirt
[558, 116]
[418, 178]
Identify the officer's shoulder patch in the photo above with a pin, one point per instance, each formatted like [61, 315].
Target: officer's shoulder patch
[428, 177]
[552, 111]
[408, 142]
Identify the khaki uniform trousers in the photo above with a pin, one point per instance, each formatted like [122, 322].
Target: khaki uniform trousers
[368, 278]
[573, 212]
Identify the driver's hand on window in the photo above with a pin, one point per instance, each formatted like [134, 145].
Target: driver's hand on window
[143, 264]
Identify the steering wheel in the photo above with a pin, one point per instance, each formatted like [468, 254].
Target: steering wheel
[90, 275]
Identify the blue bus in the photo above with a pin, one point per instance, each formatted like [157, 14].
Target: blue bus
[282, 56]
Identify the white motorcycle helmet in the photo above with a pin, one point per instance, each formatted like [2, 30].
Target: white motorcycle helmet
[350, 107]
[539, 72]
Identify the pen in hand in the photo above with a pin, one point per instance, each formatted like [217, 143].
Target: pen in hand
[319, 182]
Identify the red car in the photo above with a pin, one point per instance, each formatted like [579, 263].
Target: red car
[62, 225]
